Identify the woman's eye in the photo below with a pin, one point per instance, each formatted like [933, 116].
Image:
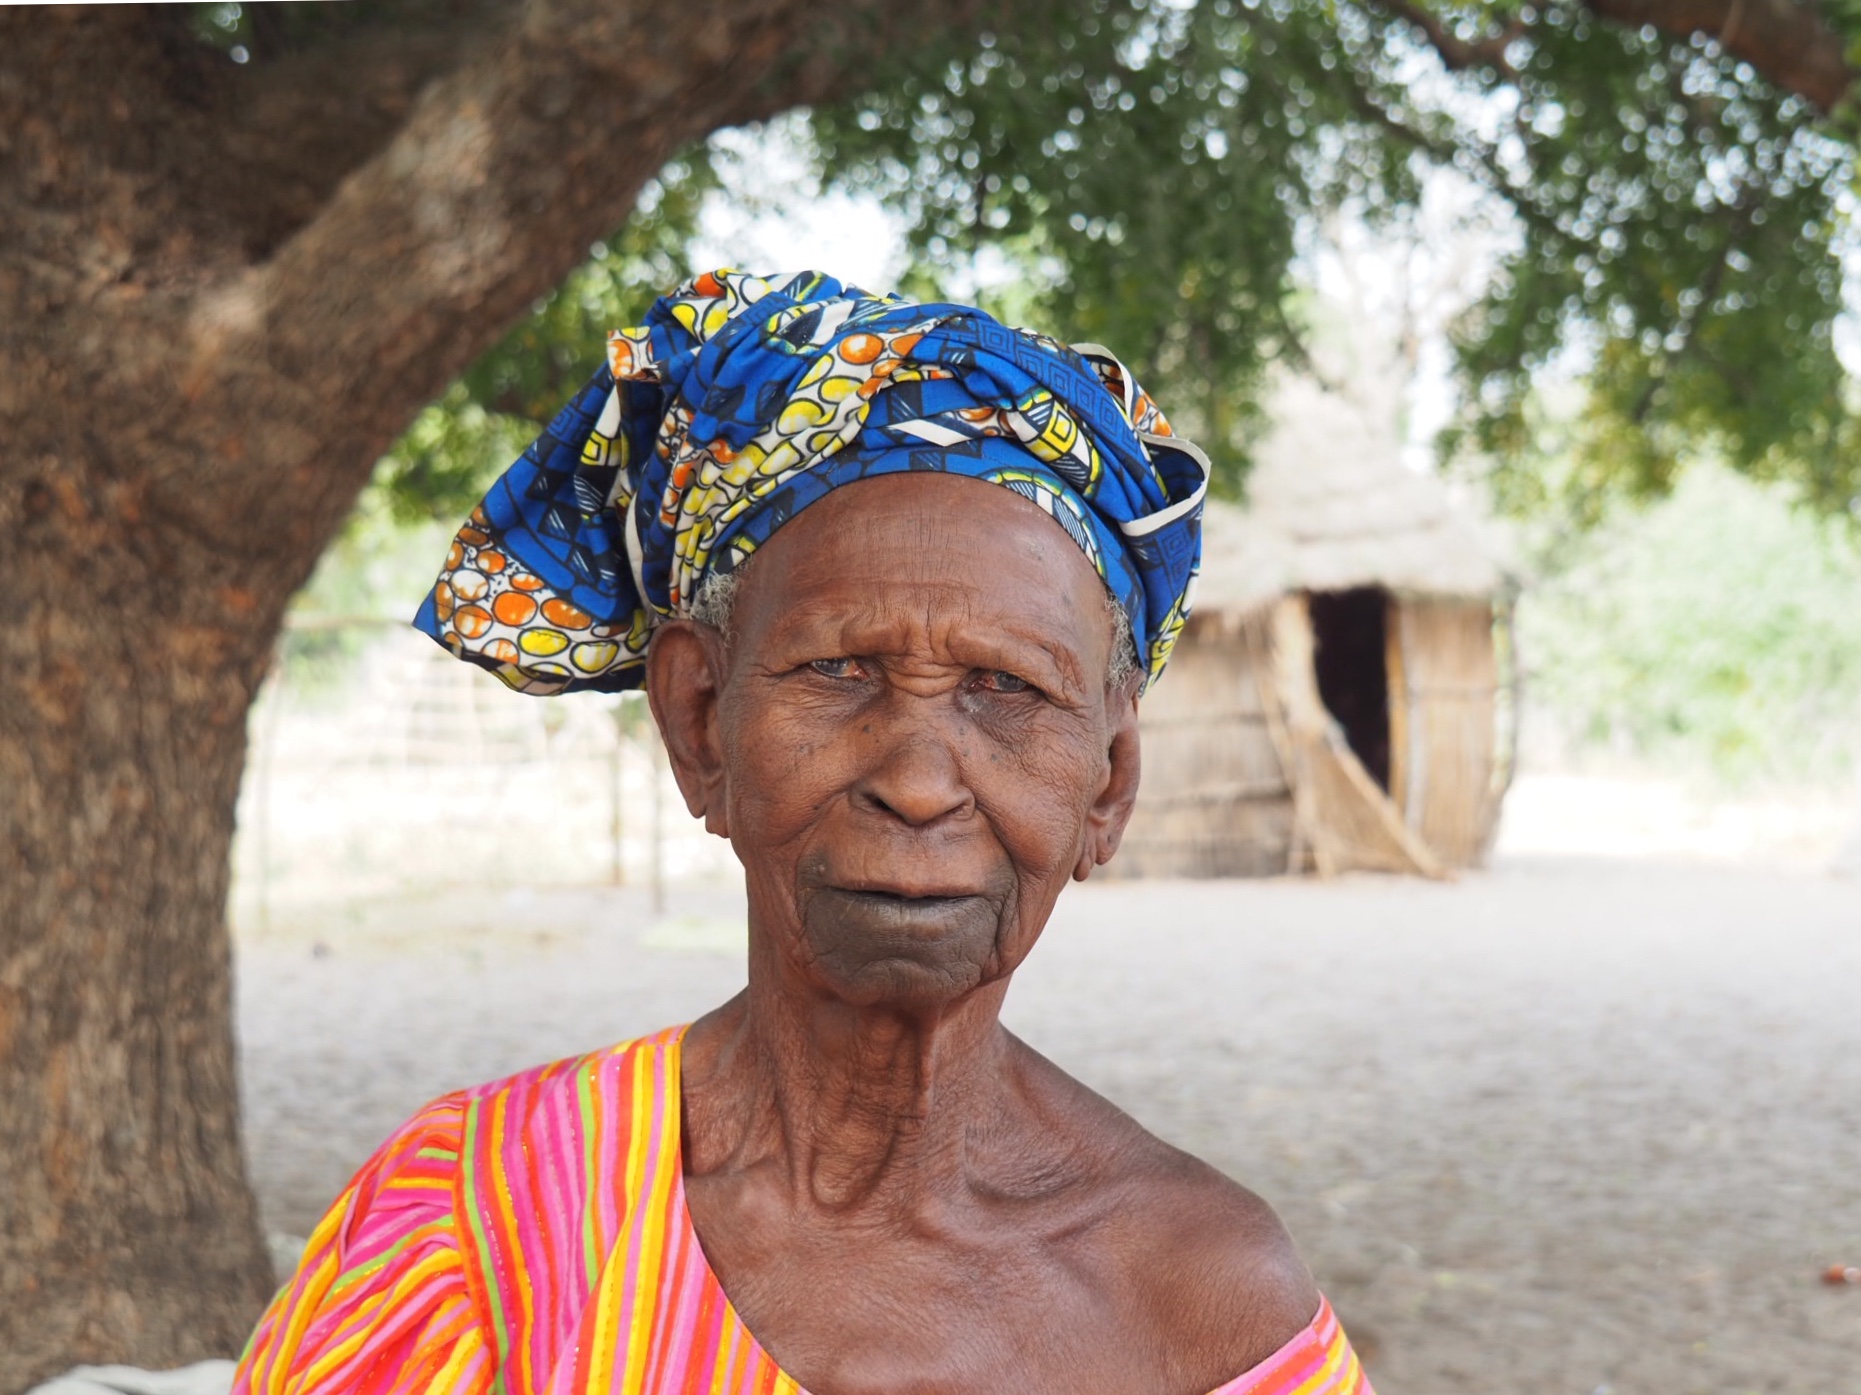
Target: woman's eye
[837, 668]
[1001, 681]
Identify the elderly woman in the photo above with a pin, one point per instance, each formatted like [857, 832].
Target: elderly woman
[893, 577]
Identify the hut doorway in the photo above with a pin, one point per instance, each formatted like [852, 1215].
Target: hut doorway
[1350, 640]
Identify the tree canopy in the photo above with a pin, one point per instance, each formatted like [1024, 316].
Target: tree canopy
[1153, 169]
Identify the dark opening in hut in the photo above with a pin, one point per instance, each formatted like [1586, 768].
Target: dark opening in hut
[1348, 641]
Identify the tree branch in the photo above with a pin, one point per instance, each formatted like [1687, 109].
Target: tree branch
[1373, 111]
[1457, 53]
[236, 155]
[1788, 41]
[295, 124]
[489, 194]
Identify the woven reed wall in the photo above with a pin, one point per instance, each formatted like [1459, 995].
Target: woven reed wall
[1444, 685]
[1214, 801]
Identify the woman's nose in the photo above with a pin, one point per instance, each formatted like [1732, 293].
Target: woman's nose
[917, 776]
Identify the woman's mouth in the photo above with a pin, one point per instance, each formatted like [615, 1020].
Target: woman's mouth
[896, 907]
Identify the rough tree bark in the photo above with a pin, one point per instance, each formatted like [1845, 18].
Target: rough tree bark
[223, 291]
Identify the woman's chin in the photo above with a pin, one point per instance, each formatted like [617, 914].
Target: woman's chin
[872, 950]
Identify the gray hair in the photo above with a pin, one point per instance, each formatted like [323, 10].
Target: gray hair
[716, 602]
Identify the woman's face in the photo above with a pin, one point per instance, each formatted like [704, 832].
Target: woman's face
[908, 738]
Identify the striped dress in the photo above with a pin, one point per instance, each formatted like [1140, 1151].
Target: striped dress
[530, 1237]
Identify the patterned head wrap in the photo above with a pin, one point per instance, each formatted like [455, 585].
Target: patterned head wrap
[741, 401]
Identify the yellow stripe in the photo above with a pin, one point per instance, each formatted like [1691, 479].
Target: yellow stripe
[613, 1291]
[446, 1380]
[1322, 1379]
[349, 1277]
[361, 1319]
[600, 1361]
[417, 1276]
[724, 1365]
[507, 1223]
[644, 1281]
[303, 1301]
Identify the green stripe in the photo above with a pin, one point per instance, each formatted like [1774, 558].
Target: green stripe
[362, 1271]
[584, 1093]
[468, 1178]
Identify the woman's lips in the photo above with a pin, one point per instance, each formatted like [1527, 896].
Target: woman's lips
[895, 892]
[897, 909]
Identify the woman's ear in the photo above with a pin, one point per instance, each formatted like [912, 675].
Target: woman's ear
[1111, 810]
[685, 671]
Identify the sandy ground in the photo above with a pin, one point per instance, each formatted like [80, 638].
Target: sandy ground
[1569, 1126]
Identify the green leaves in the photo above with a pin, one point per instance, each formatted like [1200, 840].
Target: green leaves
[1147, 167]
[1150, 173]
[1155, 170]
[1680, 235]
[1714, 633]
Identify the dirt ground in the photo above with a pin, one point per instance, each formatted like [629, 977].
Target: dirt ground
[1575, 1126]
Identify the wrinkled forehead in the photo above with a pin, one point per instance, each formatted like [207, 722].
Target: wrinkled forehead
[944, 548]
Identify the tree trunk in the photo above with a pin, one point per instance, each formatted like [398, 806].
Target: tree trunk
[129, 1227]
[224, 292]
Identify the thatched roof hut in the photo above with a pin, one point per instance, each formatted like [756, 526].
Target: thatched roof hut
[1336, 701]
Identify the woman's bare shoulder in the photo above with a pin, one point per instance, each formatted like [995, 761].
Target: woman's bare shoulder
[1207, 1261]
[1214, 1265]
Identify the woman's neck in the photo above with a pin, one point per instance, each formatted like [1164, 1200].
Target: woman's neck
[860, 1108]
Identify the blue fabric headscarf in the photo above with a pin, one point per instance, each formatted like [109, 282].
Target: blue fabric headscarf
[744, 399]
